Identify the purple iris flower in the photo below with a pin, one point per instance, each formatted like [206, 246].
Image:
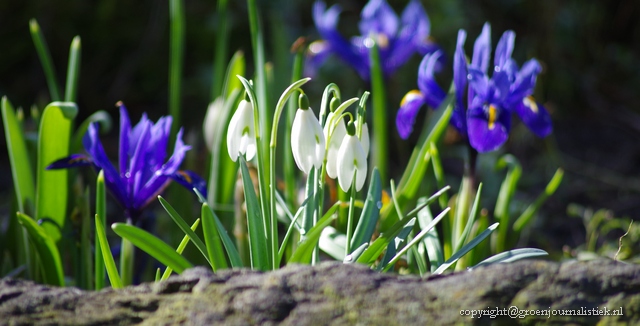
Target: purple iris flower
[485, 118]
[397, 38]
[143, 173]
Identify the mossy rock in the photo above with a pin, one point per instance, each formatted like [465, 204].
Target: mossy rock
[339, 294]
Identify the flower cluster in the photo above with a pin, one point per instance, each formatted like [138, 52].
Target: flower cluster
[311, 144]
[398, 38]
[485, 118]
[143, 173]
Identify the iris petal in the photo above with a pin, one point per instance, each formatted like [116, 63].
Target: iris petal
[71, 161]
[504, 50]
[483, 135]
[534, 116]
[482, 49]
[432, 92]
[407, 113]
[379, 18]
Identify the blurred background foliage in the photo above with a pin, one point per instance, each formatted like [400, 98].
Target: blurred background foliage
[590, 51]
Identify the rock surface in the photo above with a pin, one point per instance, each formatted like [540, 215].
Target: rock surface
[338, 294]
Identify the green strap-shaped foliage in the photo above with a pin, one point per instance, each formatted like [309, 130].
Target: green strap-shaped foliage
[53, 143]
[46, 249]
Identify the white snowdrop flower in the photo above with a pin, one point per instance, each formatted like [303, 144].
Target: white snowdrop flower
[307, 138]
[337, 134]
[351, 159]
[241, 135]
[212, 121]
[364, 140]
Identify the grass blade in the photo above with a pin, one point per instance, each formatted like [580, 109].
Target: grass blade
[105, 249]
[370, 213]
[395, 244]
[212, 239]
[179, 250]
[176, 51]
[305, 249]
[475, 208]
[150, 244]
[46, 249]
[73, 70]
[511, 256]
[19, 158]
[255, 222]
[431, 240]
[524, 219]
[45, 59]
[465, 249]
[184, 227]
[417, 238]
[101, 212]
[53, 144]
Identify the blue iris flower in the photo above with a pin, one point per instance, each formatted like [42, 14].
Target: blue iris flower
[397, 38]
[143, 173]
[485, 118]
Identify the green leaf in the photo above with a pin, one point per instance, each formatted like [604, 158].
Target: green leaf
[507, 190]
[465, 249]
[45, 59]
[304, 251]
[375, 249]
[212, 239]
[370, 213]
[18, 157]
[255, 222]
[431, 240]
[353, 256]
[46, 249]
[417, 238]
[53, 144]
[105, 249]
[179, 250]
[293, 224]
[511, 256]
[395, 244]
[185, 227]
[150, 244]
[73, 70]
[176, 52]
[101, 216]
[475, 208]
[528, 214]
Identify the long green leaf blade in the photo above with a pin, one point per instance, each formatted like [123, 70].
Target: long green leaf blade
[465, 249]
[18, 156]
[255, 222]
[305, 249]
[183, 244]
[212, 239]
[511, 256]
[101, 216]
[370, 213]
[150, 244]
[46, 249]
[105, 249]
[73, 70]
[53, 144]
[184, 227]
[45, 59]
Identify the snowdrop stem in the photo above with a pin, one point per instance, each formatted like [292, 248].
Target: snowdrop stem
[352, 201]
[273, 224]
[331, 88]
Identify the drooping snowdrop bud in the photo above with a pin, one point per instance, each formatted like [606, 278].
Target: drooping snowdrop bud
[241, 135]
[334, 133]
[212, 121]
[307, 138]
[364, 140]
[351, 160]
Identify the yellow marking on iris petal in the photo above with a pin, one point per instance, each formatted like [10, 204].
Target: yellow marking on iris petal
[493, 112]
[186, 176]
[410, 96]
[383, 41]
[530, 102]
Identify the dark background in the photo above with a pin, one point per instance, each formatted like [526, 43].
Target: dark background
[590, 51]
